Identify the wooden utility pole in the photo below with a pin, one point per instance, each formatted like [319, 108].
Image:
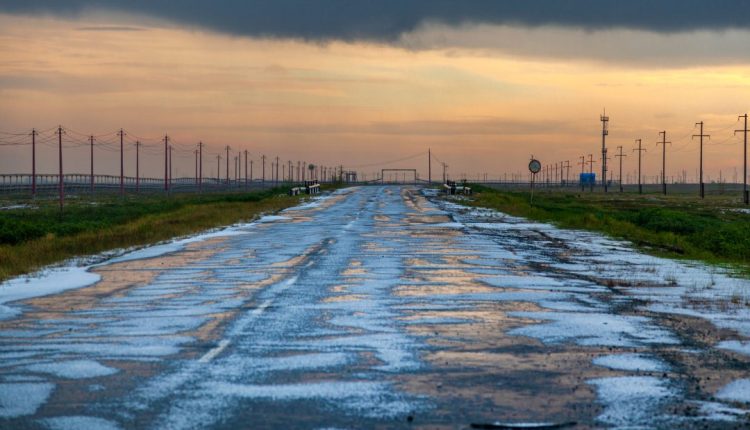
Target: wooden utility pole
[91, 158]
[640, 151]
[228, 148]
[122, 163]
[429, 166]
[170, 166]
[556, 176]
[663, 161]
[218, 169]
[700, 180]
[166, 163]
[34, 134]
[620, 155]
[61, 180]
[745, 195]
[246, 168]
[200, 166]
[582, 163]
[263, 162]
[195, 152]
[61, 184]
[137, 166]
[591, 170]
[277, 170]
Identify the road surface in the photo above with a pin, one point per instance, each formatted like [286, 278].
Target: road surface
[377, 307]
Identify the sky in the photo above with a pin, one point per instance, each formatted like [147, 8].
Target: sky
[362, 84]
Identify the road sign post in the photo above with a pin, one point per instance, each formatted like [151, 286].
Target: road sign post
[534, 167]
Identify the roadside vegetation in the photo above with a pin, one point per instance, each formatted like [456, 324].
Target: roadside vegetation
[37, 234]
[715, 230]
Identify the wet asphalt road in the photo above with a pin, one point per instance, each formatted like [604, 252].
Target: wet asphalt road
[373, 308]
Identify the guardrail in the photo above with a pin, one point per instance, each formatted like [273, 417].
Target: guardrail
[309, 187]
[77, 183]
[451, 188]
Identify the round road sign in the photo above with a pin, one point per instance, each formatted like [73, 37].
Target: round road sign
[535, 166]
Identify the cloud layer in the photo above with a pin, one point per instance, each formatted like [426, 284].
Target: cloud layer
[388, 20]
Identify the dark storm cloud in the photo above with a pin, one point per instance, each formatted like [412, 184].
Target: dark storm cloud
[386, 20]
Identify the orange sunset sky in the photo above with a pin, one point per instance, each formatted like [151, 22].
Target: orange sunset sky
[483, 94]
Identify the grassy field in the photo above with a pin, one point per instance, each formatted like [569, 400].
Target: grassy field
[38, 235]
[714, 230]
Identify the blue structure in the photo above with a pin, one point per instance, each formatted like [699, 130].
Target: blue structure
[588, 179]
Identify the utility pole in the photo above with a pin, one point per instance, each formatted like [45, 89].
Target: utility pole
[166, 163]
[745, 195]
[122, 164]
[620, 155]
[34, 134]
[195, 151]
[263, 161]
[556, 177]
[60, 157]
[277, 170]
[91, 158]
[445, 171]
[200, 166]
[663, 161]
[251, 170]
[591, 169]
[246, 169]
[567, 172]
[582, 163]
[429, 166]
[170, 166]
[640, 151]
[605, 131]
[137, 166]
[228, 148]
[218, 169]
[700, 180]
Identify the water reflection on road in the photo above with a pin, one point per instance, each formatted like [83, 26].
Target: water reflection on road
[372, 307]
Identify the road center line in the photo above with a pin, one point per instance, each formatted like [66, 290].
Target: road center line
[210, 355]
[259, 310]
[214, 351]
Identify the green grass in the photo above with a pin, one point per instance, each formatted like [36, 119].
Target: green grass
[35, 237]
[672, 226]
